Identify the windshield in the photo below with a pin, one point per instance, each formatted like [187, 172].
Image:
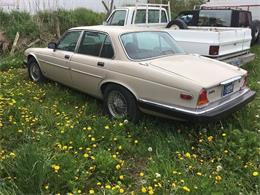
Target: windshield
[144, 45]
[220, 18]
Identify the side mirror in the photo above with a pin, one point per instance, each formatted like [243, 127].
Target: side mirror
[52, 45]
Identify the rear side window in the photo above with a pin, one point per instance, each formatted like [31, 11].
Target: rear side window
[244, 19]
[91, 43]
[118, 18]
[107, 49]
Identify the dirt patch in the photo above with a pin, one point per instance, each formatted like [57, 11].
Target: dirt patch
[4, 43]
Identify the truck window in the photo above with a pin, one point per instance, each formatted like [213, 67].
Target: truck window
[118, 18]
[140, 17]
[153, 16]
[244, 19]
[164, 17]
[221, 18]
[186, 17]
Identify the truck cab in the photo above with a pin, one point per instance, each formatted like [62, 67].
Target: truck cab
[143, 15]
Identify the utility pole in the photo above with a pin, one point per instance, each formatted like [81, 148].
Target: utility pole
[17, 4]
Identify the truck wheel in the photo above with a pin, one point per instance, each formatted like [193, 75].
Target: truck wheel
[119, 103]
[177, 24]
[255, 31]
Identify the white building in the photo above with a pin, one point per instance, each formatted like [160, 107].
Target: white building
[36, 5]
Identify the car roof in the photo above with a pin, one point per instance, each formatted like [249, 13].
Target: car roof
[113, 29]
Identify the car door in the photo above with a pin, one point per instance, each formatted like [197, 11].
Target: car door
[57, 61]
[88, 64]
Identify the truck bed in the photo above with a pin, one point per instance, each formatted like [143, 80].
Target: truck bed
[199, 39]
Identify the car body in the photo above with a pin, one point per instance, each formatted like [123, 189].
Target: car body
[135, 70]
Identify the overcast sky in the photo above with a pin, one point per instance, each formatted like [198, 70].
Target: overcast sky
[32, 5]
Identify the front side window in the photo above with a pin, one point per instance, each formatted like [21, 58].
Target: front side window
[221, 18]
[69, 41]
[118, 18]
[144, 45]
[91, 43]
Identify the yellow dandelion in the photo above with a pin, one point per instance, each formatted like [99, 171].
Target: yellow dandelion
[143, 189]
[136, 141]
[186, 189]
[255, 174]
[46, 187]
[108, 186]
[218, 178]
[210, 138]
[86, 155]
[224, 134]
[121, 190]
[141, 174]
[121, 177]
[199, 174]
[106, 127]
[91, 191]
[118, 166]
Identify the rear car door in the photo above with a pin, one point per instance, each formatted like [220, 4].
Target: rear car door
[88, 64]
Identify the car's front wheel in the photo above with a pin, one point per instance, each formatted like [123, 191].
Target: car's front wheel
[34, 71]
[119, 103]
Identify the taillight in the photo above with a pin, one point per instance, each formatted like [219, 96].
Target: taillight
[186, 96]
[203, 98]
[244, 82]
[213, 50]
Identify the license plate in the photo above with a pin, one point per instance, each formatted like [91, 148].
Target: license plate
[228, 88]
[236, 62]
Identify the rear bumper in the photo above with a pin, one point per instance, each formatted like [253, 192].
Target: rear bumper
[213, 111]
[241, 60]
[237, 59]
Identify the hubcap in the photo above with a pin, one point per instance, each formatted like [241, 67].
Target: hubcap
[35, 72]
[117, 104]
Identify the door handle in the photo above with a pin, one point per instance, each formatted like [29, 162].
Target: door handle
[101, 64]
[67, 57]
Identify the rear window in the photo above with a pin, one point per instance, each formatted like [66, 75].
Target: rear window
[221, 18]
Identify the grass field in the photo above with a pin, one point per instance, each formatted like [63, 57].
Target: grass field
[54, 140]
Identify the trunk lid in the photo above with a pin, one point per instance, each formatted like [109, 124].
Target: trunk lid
[203, 71]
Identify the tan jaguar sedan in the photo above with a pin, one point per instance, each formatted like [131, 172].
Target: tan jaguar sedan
[135, 70]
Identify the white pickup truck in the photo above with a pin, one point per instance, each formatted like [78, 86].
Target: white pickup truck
[231, 45]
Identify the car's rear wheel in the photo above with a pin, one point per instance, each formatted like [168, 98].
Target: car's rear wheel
[119, 103]
[34, 71]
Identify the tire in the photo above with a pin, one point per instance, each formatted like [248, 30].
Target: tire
[177, 24]
[255, 31]
[126, 107]
[34, 71]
